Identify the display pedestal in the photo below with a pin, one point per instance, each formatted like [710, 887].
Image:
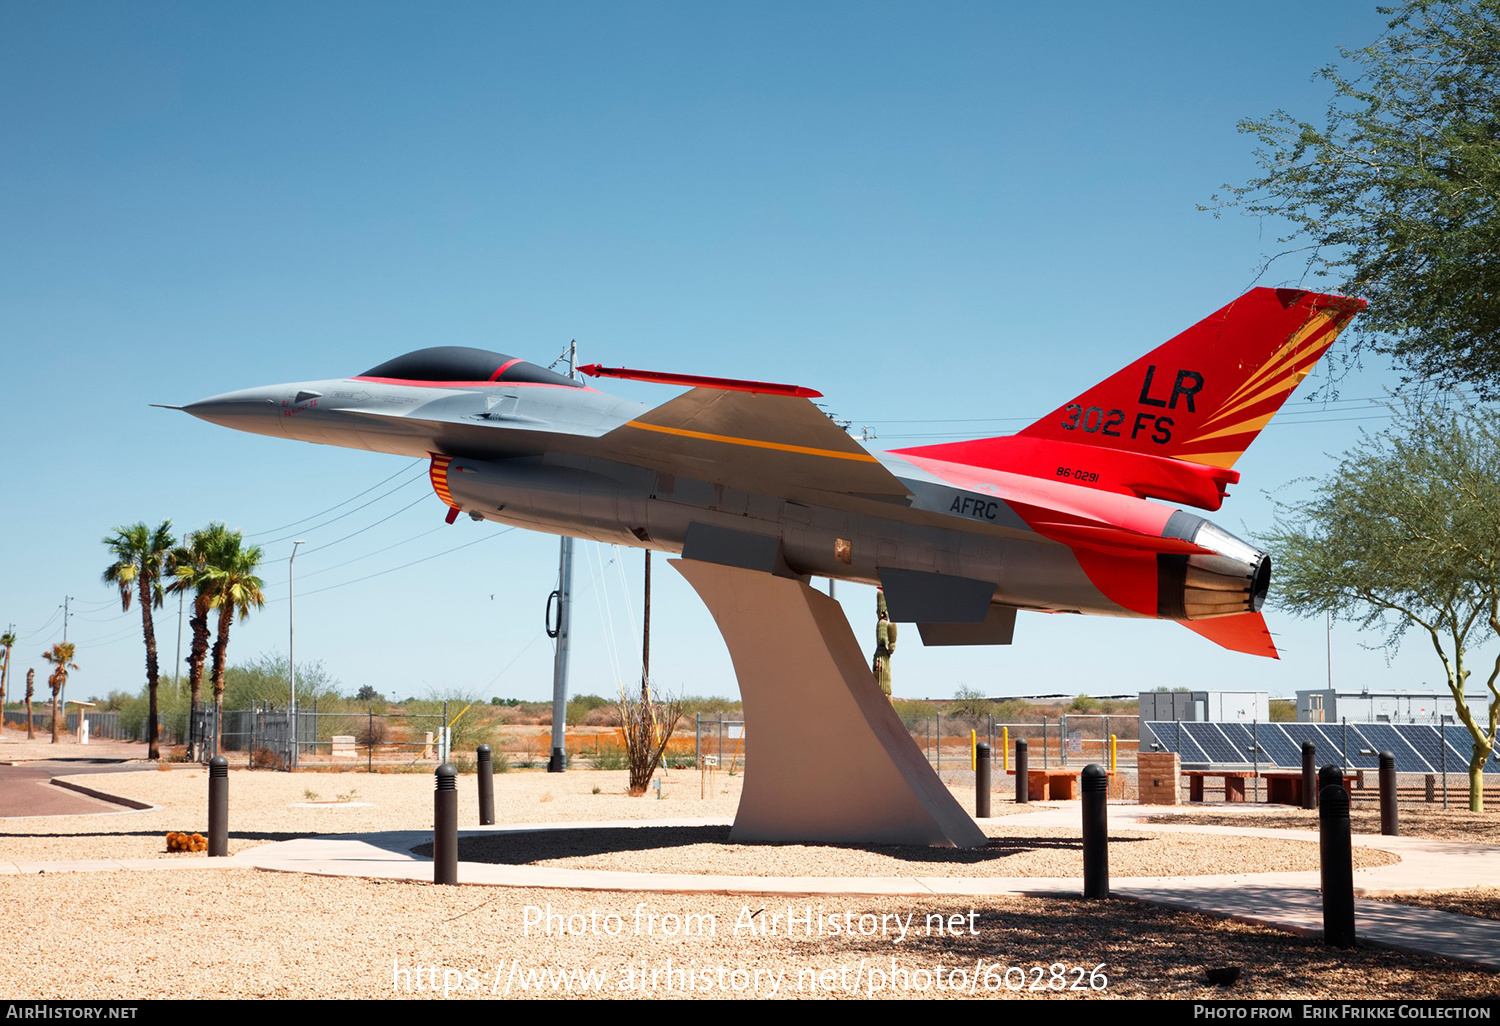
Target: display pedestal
[828, 759]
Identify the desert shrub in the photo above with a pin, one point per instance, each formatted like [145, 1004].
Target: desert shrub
[579, 707]
[266, 758]
[610, 757]
[712, 706]
[912, 714]
[373, 730]
[648, 728]
[970, 703]
[609, 716]
[1016, 710]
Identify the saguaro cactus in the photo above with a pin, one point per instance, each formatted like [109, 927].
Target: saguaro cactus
[885, 644]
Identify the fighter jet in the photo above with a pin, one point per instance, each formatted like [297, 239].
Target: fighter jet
[1081, 512]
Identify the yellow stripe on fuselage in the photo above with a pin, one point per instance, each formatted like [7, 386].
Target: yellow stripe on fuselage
[862, 457]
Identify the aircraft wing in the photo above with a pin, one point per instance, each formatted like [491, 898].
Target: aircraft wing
[781, 444]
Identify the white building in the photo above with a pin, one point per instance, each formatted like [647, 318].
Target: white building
[1326, 705]
[1205, 706]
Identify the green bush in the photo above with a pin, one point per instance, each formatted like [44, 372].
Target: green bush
[610, 757]
[912, 714]
[970, 703]
[580, 706]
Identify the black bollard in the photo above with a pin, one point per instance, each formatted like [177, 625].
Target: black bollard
[486, 787]
[1095, 788]
[1330, 776]
[1023, 787]
[982, 780]
[1336, 852]
[1309, 775]
[445, 827]
[218, 806]
[1388, 825]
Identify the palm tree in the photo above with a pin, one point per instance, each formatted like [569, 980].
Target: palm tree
[7, 641]
[234, 586]
[30, 690]
[188, 565]
[60, 656]
[139, 553]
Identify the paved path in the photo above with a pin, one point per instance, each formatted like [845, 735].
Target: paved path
[1287, 901]
[27, 769]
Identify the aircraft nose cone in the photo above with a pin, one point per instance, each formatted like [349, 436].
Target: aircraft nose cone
[251, 409]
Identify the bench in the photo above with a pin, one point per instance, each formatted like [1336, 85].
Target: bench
[1056, 783]
[1234, 783]
[1284, 787]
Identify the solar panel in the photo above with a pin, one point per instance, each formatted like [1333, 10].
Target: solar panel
[1416, 746]
[1383, 737]
[1167, 733]
[1460, 742]
[1424, 738]
[1278, 747]
[1346, 743]
[1297, 733]
[1211, 739]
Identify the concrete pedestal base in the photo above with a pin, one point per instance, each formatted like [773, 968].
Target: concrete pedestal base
[828, 759]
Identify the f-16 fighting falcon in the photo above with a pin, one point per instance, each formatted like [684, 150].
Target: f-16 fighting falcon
[1081, 512]
[759, 490]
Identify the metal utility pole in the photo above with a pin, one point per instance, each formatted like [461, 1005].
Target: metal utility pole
[291, 651]
[646, 638]
[559, 760]
[63, 697]
[177, 667]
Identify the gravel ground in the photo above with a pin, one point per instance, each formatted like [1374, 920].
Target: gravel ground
[276, 935]
[1483, 902]
[266, 806]
[1014, 852]
[1415, 820]
[239, 933]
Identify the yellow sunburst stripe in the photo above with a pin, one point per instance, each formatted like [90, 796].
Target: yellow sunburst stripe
[862, 457]
[1212, 459]
[1286, 353]
[1238, 428]
[1290, 378]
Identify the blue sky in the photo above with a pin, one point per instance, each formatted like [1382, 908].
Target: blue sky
[948, 218]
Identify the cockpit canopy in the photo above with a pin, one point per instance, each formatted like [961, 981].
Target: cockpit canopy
[470, 366]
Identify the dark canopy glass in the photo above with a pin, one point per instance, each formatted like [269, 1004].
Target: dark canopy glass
[460, 363]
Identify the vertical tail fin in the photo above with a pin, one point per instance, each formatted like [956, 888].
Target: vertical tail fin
[1205, 395]
[1173, 423]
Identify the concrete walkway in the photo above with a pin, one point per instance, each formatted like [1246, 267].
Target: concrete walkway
[1286, 901]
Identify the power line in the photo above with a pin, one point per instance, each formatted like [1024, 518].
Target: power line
[330, 509]
[327, 545]
[403, 566]
[341, 516]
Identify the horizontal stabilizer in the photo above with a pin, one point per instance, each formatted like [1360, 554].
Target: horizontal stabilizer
[1245, 633]
[1113, 539]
